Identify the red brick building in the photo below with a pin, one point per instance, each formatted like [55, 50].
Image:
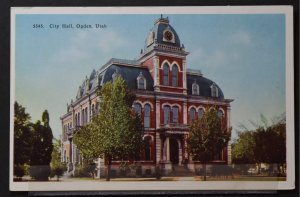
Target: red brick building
[168, 97]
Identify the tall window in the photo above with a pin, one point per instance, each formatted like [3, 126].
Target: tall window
[82, 117]
[195, 89]
[78, 120]
[147, 116]
[175, 76]
[166, 74]
[137, 108]
[93, 110]
[147, 148]
[86, 115]
[192, 114]
[141, 81]
[76, 123]
[166, 114]
[214, 90]
[220, 114]
[175, 111]
[200, 113]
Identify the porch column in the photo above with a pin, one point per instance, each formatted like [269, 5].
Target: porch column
[71, 152]
[168, 148]
[229, 159]
[185, 113]
[186, 156]
[157, 136]
[179, 152]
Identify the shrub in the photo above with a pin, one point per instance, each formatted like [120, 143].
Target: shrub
[40, 173]
[19, 171]
[85, 170]
[58, 171]
[157, 172]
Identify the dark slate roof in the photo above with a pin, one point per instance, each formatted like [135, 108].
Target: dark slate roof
[204, 85]
[158, 29]
[119, 61]
[129, 74]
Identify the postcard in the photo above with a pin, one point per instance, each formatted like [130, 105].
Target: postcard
[152, 98]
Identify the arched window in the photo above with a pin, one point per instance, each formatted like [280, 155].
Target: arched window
[141, 81]
[82, 117]
[147, 116]
[166, 114]
[86, 115]
[93, 110]
[195, 89]
[78, 116]
[76, 120]
[175, 111]
[214, 90]
[175, 76]
[192, 114]
[65, 156]
[220, 114]
[200, 113]
[137, 108]
[166, 74]
[147, 148]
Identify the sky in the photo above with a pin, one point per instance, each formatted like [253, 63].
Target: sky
[243, 54]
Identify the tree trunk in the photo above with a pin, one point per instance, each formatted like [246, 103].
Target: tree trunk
[204, 166]
[259, 168]
[108, 168]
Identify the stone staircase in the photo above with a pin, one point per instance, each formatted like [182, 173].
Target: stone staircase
[181, 171]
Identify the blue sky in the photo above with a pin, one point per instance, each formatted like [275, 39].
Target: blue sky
[243, 54]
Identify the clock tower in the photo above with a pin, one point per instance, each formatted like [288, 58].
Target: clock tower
[165, 57]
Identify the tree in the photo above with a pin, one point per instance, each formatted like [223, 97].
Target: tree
[57, 167]
[207, 137]
[243, 148]
[42, 149]
[264, 144]
[116, 132]
[22, 139]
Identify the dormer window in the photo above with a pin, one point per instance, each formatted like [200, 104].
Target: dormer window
[141, 82]
[214, 90]
[115, 75]
[195, 89]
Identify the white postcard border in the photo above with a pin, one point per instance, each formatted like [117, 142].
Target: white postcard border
[167, 185]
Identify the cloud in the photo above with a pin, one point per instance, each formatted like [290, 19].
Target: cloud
[240, 37]
[90, 44]
[227, 52]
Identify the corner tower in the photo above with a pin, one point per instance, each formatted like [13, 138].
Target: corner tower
[165, 57]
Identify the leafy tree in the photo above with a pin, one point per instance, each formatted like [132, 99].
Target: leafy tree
[264, 144]
[207, 137]
[22, 139]
[57, 167]
[243, 148]
[116, 132]
[42, 149]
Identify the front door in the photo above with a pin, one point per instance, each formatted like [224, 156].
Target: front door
[174, 153]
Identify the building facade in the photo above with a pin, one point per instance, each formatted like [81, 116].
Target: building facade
[168, 97]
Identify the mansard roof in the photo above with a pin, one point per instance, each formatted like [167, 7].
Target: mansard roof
[129, 70]
[129, 74]
[204, 85]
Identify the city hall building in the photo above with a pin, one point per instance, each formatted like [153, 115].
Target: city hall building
[168, 97]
